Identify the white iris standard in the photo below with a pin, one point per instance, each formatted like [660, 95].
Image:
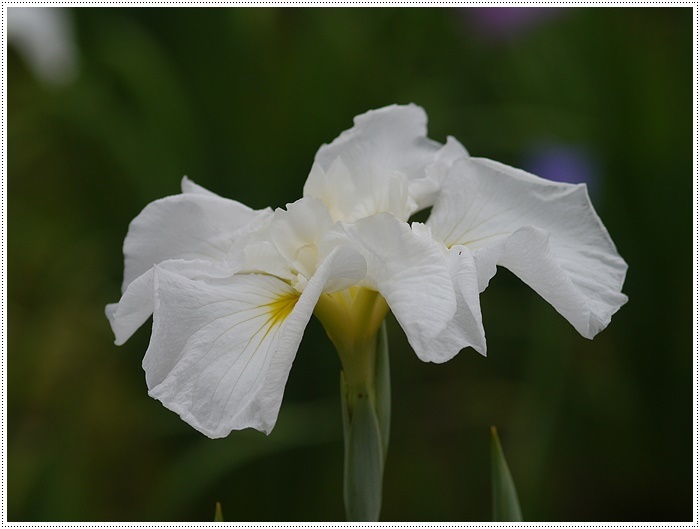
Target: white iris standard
[231, 289]
[385, 163]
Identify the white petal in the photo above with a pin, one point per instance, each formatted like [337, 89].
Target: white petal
[336, 188]
[349, 198]
[546, 232]
[133, 309]
[188, 226]
[349, 268]
[136, 304]
[188, 186]
[410, 273]
[386, 147]
[466, 328]
[288, 244]
[304, 223]
[427, 189]
[221, 352]
[263, 257]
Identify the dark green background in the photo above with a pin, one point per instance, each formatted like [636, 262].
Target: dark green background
[239, 100]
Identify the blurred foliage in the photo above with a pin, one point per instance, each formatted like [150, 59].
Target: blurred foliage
[239, 100]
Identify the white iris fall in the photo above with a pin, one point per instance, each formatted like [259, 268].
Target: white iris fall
[231, 289]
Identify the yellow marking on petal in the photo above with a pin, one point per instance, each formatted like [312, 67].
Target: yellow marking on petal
[279, 309]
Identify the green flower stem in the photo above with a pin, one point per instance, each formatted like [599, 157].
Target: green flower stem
[366, 413]
[354, 321]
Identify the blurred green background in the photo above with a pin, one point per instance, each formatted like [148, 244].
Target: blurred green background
[239, 100]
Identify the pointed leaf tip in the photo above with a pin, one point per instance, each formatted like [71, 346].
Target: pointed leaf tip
[506, 507]
[218, 514]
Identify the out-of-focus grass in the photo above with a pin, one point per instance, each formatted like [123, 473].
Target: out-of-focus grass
[239, 100]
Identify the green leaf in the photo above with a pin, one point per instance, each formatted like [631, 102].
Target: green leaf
[506, 507]
[366, 409]
[364, 461]
[218, 514]
[382, 388]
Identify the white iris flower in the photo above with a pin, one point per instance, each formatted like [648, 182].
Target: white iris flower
[232, 289]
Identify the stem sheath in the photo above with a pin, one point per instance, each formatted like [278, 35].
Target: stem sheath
[366, 408]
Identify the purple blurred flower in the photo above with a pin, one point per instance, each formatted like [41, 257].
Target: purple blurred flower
[506, 22]
[571, 164]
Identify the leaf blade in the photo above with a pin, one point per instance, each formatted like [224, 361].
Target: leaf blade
[382, 386]
[504, 497]
[218, 513]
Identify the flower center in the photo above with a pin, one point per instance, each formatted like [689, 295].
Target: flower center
[352, 318]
